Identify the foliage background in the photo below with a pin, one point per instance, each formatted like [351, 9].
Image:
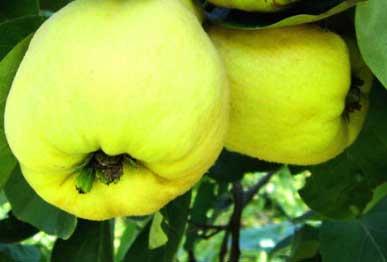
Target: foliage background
[269, 212]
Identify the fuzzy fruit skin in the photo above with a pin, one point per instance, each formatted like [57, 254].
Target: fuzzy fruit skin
[288, 93]
[255, 5]
[136, 77]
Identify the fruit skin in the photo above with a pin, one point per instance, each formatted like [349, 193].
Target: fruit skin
[136, 77]
[255, 5]
[288, 93]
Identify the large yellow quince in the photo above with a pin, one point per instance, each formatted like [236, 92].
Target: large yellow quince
[255, 5]
[292, 98]
[118, 107]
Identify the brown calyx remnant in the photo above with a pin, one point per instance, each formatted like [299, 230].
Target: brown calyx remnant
[110, 167]
[107, 169]
[352, 101]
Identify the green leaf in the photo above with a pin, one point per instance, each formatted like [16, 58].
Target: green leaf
[176, 215]
[342, 187]
[91, 242]
[300, 13]
[8, 68]
[157, 236]
[371, 33]
[53, 5]
[379, 193]
[363, 239]
[139, 250]
[232, 166]
[29, 207]
[3, 199]
[210, 196]
[18, 8]
[175, 218]
[13, 230]
[204, 201]
[19, 253]
[14, 31]
[126, 240]
[306, 244]
[282, 248]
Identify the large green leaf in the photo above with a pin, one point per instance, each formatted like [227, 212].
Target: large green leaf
[363, 239]
[19, 253]
[175, 218]
[306, 244]
[13, 230]
[371, 24]
[29, 207]
[139, 250]
[342, 187]
[14, 31]
[128, 236]
[302, 12]
[8, 68]
[18, 8]
[91, 242]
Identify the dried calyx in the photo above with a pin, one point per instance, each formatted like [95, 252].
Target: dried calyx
[107, 169]
[352, 101]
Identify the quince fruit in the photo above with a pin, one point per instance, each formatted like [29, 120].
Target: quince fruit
[294, 97]
[118, 107]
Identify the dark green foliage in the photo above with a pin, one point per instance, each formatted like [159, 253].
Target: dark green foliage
[362, 239]
[8, 68]
[302, 12]
[13, 230]
[91, 242]
[19, 253]
[232, 166]
[342, 187]
[18, 8]
[29, 207]
[371, 25]
[175, 217]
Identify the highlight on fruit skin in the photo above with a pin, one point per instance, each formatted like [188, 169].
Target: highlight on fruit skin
[255, 5]
[294, 97]
[118, 107]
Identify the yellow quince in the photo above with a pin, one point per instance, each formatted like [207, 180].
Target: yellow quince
[118, 107]
[294, 97]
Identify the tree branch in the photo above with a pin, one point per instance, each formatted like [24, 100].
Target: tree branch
[191, 256]
[224, 247]
[241, 199]
[235, 223]
[249, 194]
